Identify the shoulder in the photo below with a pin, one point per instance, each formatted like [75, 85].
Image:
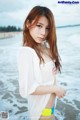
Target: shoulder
[27, 55]
[27, 51]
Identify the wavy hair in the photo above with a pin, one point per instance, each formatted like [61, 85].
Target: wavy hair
[35, 14]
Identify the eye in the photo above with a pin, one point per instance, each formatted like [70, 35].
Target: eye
[48, 28]
[39, 26]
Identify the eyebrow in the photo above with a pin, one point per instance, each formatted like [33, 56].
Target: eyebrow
[42, 24]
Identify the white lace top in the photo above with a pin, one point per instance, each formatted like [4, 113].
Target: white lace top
[32, 75]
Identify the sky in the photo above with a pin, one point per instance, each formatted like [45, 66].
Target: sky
[14, 12]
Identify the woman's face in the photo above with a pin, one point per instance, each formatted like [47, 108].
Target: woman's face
[40, 30]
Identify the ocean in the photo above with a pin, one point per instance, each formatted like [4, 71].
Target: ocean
[68, 108]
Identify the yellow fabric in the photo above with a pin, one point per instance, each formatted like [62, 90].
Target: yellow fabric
[46, 112]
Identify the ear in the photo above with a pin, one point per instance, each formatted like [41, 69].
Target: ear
[28, 24]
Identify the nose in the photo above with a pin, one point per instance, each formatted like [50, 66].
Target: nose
[43, 31]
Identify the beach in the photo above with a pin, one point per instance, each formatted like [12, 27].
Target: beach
[67, 108]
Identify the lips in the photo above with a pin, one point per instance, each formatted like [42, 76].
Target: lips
[40, 38]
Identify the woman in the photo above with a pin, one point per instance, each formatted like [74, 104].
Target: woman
[38, 63]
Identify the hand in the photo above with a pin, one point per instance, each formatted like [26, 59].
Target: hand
[59, 91]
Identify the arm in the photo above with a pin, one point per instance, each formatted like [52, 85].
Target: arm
[59, 91]
[27, 81]
[43, 90]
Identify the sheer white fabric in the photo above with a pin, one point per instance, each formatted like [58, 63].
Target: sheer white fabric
[32, 75]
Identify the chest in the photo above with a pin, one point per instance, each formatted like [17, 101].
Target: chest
[47, 71]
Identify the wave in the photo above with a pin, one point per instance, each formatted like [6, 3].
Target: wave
[67, 26]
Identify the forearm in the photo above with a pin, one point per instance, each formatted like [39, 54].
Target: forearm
[48, 89]
[58, 91]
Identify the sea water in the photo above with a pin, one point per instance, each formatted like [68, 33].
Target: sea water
[68, 40]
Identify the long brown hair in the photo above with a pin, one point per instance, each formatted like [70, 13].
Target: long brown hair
[35, 14]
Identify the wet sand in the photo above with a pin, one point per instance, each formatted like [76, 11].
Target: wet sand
[68, 111]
